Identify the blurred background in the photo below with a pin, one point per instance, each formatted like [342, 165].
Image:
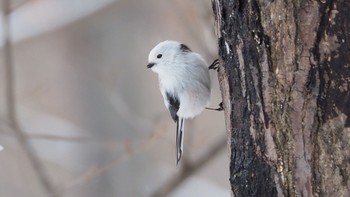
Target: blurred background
[81, 116]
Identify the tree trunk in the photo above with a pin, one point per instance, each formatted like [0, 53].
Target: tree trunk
[285, 79]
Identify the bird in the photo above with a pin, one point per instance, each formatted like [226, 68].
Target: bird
[184, 83]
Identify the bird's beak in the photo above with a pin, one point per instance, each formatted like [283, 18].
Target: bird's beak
[150, 65]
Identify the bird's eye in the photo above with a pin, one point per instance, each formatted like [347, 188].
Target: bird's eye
[159, 56]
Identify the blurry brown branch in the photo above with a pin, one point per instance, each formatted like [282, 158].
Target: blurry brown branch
[190, 168]
[17, 5]
[131, 149]
[11, 103]
[92, 174]
[51, 137]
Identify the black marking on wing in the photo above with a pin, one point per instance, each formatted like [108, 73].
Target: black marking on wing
[174, 105]
[184, 48]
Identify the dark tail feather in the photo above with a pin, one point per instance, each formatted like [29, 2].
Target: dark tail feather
[179, 139]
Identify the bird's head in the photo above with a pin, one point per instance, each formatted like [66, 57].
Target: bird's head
[163, 55]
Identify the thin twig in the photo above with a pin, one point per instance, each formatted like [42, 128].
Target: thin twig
[56, 138]
[190, 169]
[51, 137]
[11, 104]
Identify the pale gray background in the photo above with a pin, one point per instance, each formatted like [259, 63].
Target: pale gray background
[92, 110]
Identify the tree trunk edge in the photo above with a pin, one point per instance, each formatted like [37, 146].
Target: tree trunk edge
[249, 175]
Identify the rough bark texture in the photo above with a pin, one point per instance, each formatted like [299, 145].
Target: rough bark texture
[285, 79]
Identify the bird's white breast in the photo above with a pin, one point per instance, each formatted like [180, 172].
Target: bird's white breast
[190, 84]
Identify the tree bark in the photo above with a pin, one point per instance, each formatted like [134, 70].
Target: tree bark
[285, 79]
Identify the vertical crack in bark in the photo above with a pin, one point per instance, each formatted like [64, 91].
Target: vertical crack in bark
[325, 10]
[331, 60]
[316, 75]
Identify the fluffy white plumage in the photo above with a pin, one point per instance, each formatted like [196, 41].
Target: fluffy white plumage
[184, 82]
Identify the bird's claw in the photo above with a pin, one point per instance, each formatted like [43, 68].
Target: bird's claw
[221, 107]
[214, 65]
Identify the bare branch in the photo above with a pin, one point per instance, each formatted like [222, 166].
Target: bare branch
[11, 104]
[190, 168]
[130, 150]
[51, 137]
[18, 5]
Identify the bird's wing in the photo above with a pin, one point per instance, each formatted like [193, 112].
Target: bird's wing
[173, 105]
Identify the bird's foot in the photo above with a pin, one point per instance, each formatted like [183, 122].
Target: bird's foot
[214, 65]
[221, 107]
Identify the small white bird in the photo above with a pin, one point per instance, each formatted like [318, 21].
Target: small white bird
[184, 83]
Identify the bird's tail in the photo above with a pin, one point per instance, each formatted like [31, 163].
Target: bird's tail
[179, 138]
